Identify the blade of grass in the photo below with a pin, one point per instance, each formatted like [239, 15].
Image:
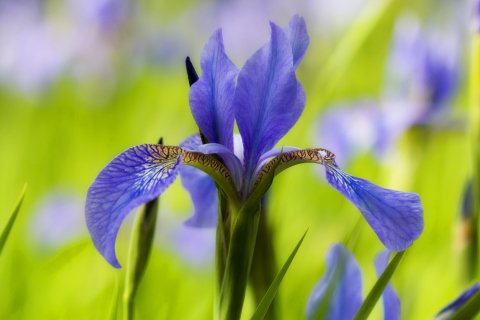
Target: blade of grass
[272, 291]
[11, 220]
[469, 310]
[378, 288]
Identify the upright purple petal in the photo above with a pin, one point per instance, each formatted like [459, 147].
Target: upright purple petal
[456, 304]
[395, 216]
[391, 301]
[265, 98]
[297, 35]
[212, 95]
[341, 287]
[134, 177]
[201, 188]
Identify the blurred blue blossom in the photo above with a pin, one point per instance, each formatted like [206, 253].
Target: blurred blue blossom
[58, 219]
[339, 293]
[265, 100]
[421, 78]
[455, 305]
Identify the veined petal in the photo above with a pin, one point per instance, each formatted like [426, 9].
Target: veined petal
[455, 305]
[340, 289]
[212, 95]
[229, 159]
[201, 188]
[297, 35]
[265, 98]
[391, 301]
[134, 177]
[395, 216]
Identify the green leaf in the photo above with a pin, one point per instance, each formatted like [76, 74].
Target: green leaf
[378, 288]
[469, 310]
[114, 306]
[140, 248]
[272, 291]
[11, 220]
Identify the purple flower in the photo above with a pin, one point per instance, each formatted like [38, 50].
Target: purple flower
[266, 102]
[455, 305]
[57, 219]
[339, 291]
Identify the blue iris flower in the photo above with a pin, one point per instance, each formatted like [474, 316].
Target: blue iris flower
[339, 292]
[265, 99]
[455, 305]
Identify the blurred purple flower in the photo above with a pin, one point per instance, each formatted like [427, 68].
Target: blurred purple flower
[265, 101]
[422, 75]
[194, 245]
[339, 291]
[455, 305]
[58, 219]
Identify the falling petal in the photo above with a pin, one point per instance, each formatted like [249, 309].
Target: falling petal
[455, 305]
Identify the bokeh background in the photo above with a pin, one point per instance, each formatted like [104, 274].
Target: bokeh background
[83, 80]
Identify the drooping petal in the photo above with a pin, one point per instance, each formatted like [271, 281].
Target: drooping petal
[340, 289]
[395, 216]
[454, 306]
[297, 35]
[134, 177]
[265, 98]
[212, 95]
[201, 188]
[391, 301]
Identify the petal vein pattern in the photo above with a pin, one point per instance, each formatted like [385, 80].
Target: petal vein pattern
[134, 177]
[395, 216]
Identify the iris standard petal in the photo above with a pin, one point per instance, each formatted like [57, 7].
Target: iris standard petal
[297, 35]
[201, 188]
[212, 95]
[134, 177]
[391, 301]
[265, 98]
[395, 216]
[340, 289]
[203, 193]
[454, 306]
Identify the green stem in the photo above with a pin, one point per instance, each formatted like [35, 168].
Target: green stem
[263, 269]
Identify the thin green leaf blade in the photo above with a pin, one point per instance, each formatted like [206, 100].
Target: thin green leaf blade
[378, 288]
[272, 291]
[469, 310]
[11, 220]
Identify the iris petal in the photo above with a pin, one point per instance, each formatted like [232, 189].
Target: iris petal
[134, 177]
[340, 288]
[265, 98]
[203, 193]
[395, 216]
[212, 95]
[201, 188]
[297, 35]
[391, 301]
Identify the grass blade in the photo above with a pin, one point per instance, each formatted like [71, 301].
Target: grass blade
[378, 288]
[469, 310]
[11, 220]
[272, 291]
